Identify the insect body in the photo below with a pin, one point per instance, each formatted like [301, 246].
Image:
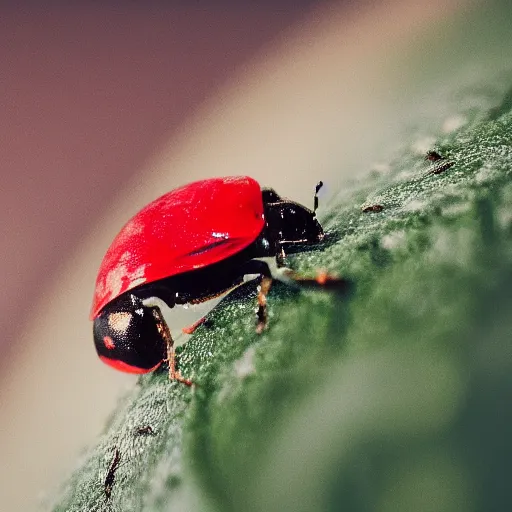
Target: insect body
[187, 246]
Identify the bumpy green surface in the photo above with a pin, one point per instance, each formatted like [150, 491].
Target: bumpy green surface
[392, 396]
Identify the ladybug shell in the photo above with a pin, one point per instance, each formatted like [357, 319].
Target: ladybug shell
[188, 228]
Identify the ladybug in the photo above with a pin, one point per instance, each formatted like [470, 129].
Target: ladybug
[189, 245]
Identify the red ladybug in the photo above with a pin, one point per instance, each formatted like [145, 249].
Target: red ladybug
[187, 246]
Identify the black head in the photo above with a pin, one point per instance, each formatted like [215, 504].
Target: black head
[288, 222]
[130, 336]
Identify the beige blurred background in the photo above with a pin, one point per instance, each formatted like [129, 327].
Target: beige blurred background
[104, 108]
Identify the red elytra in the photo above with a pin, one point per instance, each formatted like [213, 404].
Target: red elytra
[186, 229]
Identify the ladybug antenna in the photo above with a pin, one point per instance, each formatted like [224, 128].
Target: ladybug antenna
[319, 185]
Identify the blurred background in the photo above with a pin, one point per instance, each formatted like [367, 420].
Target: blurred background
[105, 106]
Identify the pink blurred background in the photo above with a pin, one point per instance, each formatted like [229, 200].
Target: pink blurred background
[106, 106]
[89, 92]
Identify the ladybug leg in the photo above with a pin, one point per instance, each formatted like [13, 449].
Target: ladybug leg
[191, 328]
[173, 373]
[289, 277]
[280, 255]
[261, 268]
[171, 354]
[322, 279]
[261, 310]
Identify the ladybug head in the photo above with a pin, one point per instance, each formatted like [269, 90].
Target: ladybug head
[130, 336]
[290, 222]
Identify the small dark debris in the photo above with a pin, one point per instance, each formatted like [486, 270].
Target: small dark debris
[433, 156]
[441, 168]
[111, 473]
[146, 430]
[374, 208]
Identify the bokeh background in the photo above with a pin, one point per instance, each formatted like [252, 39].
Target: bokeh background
[106, 106]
